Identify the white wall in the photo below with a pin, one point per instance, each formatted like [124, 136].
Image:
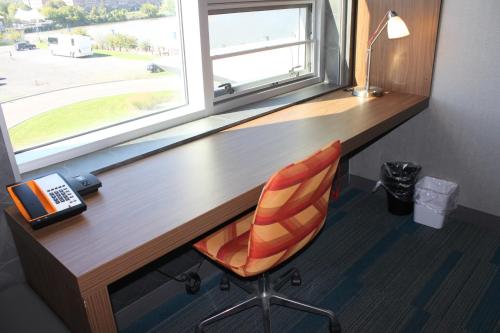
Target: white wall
[458, 137]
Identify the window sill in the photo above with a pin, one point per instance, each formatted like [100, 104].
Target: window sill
[120, 154]
[101, 139]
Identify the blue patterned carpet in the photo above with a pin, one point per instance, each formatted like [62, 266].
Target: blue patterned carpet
[378, 272]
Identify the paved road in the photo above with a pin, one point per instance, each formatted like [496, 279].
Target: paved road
[19, 110]
[35, 81]
[28, 73]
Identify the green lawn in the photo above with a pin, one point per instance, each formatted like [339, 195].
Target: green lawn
[42, 45]
[125, 55]
[84, 116]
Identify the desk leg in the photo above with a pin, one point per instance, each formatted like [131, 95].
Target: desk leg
[99, 311]
[82, 313]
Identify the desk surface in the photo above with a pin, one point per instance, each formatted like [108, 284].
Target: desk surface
[152, 206]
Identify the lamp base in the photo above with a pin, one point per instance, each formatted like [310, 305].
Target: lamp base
[372, 92]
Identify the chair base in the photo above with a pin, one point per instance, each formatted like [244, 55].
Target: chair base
[264, 296]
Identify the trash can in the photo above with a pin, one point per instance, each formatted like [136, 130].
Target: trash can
[434, 200]
[398, 179]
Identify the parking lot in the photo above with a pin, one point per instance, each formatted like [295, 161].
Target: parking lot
[34, 81]
[33, 72]
[37, 71]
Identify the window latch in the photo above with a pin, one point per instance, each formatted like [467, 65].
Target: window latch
[228, 88]
[293, 71]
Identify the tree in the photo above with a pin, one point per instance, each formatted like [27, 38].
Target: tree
[13, 35]
[150, 10]
[3, 8]
[55, 4]
[98, 14]
[127, 42]
[169, 7]
[4, 13]
[64, 15]
[12, 9]
[120, 41]
[102, 12]
[117, 15]
[25, 6]
[73, 15]
[8, 11]
[146, 46]
[52, 14]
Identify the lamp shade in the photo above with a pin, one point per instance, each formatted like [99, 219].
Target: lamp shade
[396, 28]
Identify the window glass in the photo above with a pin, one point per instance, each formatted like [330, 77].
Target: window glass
[260, 48]
[233, 32]
[287, 62]
[91, 66]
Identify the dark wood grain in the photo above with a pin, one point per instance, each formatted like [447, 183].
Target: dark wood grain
[405, 64]
[99, 311]
[150, 207]
[52, 281]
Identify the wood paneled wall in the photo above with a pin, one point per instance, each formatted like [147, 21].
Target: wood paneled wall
[405, 64]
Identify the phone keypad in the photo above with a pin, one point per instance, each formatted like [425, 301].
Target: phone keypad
[61, 194]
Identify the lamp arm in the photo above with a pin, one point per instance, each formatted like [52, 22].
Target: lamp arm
[381, 26]
[377, 35]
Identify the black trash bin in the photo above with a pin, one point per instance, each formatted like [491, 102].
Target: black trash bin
[398, 179]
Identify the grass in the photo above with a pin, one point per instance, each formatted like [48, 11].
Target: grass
[42, 45]
[124, 55]
[84, 116]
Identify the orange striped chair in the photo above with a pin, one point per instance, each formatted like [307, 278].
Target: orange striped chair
[291, 211]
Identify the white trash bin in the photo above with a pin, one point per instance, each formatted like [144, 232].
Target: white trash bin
[434, 200]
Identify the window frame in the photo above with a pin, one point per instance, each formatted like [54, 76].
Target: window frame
[199, 84]
[191, 23]
[259, 93]
[271, 82]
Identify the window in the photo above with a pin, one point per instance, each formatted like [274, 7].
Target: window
[113, 71]
[103, 71]
[261, 49]
[262, 53]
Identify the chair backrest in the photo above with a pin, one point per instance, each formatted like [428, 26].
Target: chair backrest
[292, 209]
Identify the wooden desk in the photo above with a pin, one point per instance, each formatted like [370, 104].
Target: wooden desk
[152, 206]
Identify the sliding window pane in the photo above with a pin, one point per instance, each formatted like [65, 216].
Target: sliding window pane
[234, 32]
[261, 68]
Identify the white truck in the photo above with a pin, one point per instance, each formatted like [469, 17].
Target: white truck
[74, 46]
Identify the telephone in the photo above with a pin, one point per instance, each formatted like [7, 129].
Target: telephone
[46, 200]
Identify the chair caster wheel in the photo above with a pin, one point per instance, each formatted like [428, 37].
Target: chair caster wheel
[193, 282]
[335, 328]
[224, 284]
[296, 279]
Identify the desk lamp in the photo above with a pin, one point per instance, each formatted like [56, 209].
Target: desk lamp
[396, 28]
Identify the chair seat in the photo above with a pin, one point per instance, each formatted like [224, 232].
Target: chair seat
[229, 245]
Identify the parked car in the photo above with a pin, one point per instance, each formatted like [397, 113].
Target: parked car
[154, 68]
[21, 46]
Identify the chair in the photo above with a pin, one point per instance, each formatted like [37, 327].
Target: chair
[291, 211]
